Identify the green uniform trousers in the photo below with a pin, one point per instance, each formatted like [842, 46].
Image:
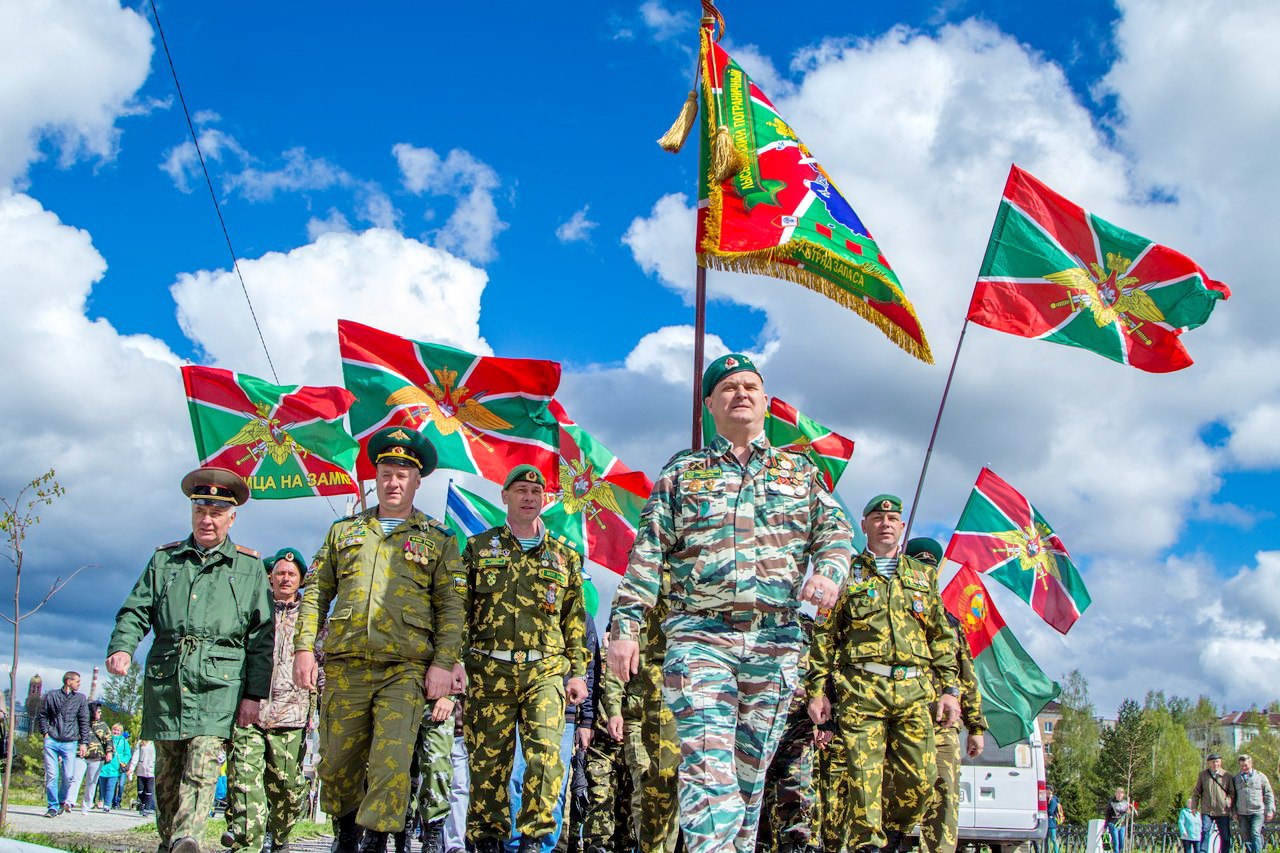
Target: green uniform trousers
[891, 760]
[608, 822]
[265, 786]
[787, 814]
[186, 774]
[938, 827]
[636, 758]
[831, 784]
[369, 717]
[658, 828]
[435, 750]
[501, 697]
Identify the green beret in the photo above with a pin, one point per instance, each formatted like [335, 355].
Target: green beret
[401, 445]
[925, 550]
[215, 487]
[290, 554]
[882, 503]
[525, 474]
[734, 362]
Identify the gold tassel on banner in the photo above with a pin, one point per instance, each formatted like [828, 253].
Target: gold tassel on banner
[673, 140]
[726, 159]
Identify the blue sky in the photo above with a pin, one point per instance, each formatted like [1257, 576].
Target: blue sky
[492, 182]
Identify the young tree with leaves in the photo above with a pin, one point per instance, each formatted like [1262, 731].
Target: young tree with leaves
[1075, 749]
[17, 517]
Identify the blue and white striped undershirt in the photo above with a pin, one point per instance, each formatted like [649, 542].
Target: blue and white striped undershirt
[887, 566]
[389, 524]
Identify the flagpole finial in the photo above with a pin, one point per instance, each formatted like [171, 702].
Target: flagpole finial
[711, 15]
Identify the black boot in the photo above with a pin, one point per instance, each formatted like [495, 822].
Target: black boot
[433, 837]
[374, 842]
[346, 834]
[893, 841]
[400, 841]
[529, 845]
[488, 845]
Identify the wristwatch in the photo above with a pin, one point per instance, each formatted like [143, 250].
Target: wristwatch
[951, 691]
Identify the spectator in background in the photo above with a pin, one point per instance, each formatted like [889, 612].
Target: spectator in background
[143, 768]
[64, 722]
[1189, 828]
[113, 767]
[1254, 803]
[95, 751]
[1213, 797]
[1120, 813]
[1055, 818]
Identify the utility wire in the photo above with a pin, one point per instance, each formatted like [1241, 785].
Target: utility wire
[235, 263]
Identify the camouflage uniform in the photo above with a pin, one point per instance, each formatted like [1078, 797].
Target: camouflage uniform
[527, 628]
[878, 649]
[435, 763]
[938, 827]
[265, 786]
[736, 540]
[658, 823]
[606, 771]
[212, 618]
[831, 785]
[397, 609]
[787, 813]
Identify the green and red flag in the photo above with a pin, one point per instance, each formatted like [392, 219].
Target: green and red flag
[788, 428]
[598, 504]
[484, 415]
[287, 441]
[1001, 534]
[781, 215]
[467, 514]
[1055, 272]
[1014, 689]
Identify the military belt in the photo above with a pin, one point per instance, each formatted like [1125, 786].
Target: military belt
[897, 673]
[521, 656]
[740, 620]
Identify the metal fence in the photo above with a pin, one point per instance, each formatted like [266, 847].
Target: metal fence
[1153, 838]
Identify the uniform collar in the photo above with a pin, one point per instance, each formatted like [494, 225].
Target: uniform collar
[538, 526]
[721, 446]
[868, 560]
[417, 518]
[226, 547]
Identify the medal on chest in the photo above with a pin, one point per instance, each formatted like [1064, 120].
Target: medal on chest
[549, 600]
[417, 549]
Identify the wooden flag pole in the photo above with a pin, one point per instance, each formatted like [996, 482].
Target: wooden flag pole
[946, 391]
[699, 333]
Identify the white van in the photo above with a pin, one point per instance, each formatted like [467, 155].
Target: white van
[1003, 802]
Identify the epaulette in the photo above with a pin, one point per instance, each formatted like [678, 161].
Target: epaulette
[248, 552]
[683, 454]
[440, 526]
[166, 546]
[564, 541]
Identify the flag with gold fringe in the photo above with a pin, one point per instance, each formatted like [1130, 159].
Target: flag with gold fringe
[766, 206]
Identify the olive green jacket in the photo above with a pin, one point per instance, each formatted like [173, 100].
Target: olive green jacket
[526, 600]
[214, 631]
[890, 622]
[396, 597]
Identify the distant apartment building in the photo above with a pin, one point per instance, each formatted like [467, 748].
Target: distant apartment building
[1046, 721]
[1233, 730]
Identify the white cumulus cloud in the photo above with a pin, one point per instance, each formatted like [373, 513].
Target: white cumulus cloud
[577, 228]
[73, 67]
[474, 225]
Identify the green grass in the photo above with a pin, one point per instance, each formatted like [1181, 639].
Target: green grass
[51, 841]
[215, 826]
